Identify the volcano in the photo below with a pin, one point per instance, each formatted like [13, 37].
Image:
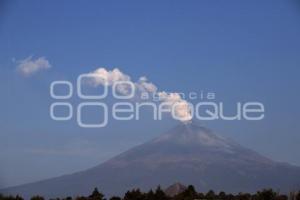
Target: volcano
[189, 154]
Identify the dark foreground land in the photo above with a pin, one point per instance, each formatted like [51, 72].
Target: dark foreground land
[175, 193]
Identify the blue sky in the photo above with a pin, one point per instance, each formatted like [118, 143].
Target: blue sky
[242, 51]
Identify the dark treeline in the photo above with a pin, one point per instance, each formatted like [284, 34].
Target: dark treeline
[188, 194]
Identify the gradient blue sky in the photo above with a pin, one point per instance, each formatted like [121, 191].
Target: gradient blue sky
[242, 50]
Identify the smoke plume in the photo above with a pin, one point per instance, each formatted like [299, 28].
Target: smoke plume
[102, 76]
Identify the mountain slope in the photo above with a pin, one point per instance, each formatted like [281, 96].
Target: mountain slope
[189, 154]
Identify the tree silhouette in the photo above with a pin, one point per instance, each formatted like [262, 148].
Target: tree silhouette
[68, 198]
[115, 198]
[298, 195]
[243, 196]
[150, 195]
[81, 198]
[281, 197]
[222, 195]
[188, 194]
[266, 194]
[160, 194]
[10, 197]
[37, 197]
[134, 195]
[96, 195]
[210, 195]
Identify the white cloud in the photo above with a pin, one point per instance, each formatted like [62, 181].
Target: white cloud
[30, 66]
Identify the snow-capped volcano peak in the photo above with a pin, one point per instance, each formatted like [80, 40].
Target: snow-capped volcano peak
[193, 134]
